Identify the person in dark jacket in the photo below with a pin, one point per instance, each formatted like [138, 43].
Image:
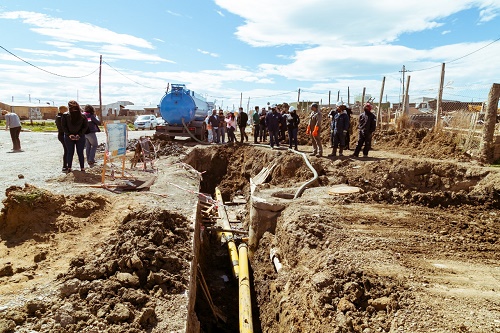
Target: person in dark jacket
[214, 121]
[60, 135]
[273, 120]
[283, 123]
[221, 132]
[242, 124]
[348, 110]
[256, 125]
[292, 122]
[74, 125]
[91, 142]
[340, 126]
[263, 125]
[367, 125]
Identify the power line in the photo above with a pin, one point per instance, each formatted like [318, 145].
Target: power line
[464, 56]
[128, 77]
[52, 73]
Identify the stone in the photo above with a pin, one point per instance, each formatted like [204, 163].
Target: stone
[147, 317]
[7, 325]
[380, 303]
[353, 291]
[119, 314]
[70, 287]
[40, 256]
[36, 306]
[345, 305]
[127, 279]
[6, 270]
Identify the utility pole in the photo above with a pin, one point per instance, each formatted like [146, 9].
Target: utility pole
[241, 99]
[404, 70]
[329, 98]
[298, 98]
[100, 94]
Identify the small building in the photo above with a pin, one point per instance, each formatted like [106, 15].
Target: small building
[31, 111]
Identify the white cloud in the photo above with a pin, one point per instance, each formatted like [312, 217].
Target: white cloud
[173, 13]
[220, 13]
[487, 14]
[445, 32]
[215, 55]
[74, 31]
[330, 23]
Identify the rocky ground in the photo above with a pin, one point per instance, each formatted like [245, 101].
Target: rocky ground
[415, 250]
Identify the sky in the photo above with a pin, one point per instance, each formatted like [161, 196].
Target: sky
[249, 52]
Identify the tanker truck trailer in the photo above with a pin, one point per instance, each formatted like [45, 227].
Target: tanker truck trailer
[182, 108]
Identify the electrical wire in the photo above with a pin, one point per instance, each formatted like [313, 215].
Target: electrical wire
[52, 73]
[464, 56]
[128, 77]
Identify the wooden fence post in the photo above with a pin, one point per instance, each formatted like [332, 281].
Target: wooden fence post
[379, 111]
[486, 147]
[440, 98]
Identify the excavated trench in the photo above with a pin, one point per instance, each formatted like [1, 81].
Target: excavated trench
[323, 288]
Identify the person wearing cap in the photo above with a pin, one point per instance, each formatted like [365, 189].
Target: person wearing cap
[273, 120]
[60, 135]
[292, 123]
[366, 127]
[314, 130]
[13, 124]
[74, 125]
[242, 123]
[340, 125]
[256, 124]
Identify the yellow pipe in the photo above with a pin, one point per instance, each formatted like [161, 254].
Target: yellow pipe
[245, 304]
[228, 236]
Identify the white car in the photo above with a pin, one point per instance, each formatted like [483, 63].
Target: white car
[160, 120]
[145, 122]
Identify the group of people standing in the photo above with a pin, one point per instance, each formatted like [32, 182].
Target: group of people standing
[281, 119]
[340, 129]
[77, 130]
[276, 122]
[219, 124]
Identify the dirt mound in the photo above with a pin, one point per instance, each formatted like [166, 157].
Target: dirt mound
[31, 212]
[417, 182]
[124, 286]
[420, 142]
[162, 146]
[231, 166]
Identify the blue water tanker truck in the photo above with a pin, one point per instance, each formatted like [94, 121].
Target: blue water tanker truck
[183, 110]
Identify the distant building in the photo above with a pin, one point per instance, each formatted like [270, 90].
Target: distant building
[31, 111]
[113, 109]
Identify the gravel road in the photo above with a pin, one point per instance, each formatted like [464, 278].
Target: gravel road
[40, 160]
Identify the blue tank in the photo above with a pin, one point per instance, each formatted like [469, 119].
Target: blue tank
[181, 103]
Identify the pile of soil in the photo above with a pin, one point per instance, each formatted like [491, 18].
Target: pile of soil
[420, 142]
[127, 285]
[416, 182]
[34, 213]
